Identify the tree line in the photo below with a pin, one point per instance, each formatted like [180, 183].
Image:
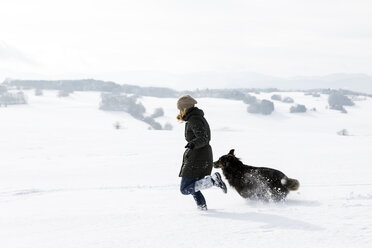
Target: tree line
[115, 94]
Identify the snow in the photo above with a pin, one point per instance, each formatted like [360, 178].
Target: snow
[69, 179]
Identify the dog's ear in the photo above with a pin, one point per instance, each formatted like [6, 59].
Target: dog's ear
[232, 152]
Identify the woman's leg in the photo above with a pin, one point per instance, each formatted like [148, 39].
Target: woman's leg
[194, 185]
[188, 185]
[188, 188]
[199, 199]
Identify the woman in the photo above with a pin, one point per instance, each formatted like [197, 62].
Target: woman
[197, 160]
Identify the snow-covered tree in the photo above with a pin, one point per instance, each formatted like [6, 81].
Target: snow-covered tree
[249, 99]
[337, 101]
[3, 89]
[168, 126]
[8, 98]
[298, 108]
[38, 92]
[64, 93]
[288, 99]
[276, 97]
[120, 102]
[158, 112]
[264, 107]
[155, 125]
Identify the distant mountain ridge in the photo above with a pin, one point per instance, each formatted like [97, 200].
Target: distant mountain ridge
[353, 82]
[218, 80]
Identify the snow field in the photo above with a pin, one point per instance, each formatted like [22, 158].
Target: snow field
[69, 179]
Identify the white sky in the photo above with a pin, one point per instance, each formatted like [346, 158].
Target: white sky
[76, 38]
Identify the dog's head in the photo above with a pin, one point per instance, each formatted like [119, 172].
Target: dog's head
[225, 161]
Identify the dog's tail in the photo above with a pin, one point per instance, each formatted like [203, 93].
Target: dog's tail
[291, 184]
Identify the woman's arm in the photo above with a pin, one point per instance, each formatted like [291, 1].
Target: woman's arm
[200, 131]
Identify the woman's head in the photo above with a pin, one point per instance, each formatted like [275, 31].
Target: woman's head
[186, 102]
[183, 104]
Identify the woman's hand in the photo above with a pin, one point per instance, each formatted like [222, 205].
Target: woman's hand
[190, 145]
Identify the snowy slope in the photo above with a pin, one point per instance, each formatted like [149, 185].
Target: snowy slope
[69, 179]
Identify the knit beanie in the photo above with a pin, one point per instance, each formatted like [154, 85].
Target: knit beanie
[186, 102]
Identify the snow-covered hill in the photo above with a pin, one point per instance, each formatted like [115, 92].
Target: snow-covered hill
[70, 179]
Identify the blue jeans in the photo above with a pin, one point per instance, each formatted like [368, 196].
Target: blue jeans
[188, 187]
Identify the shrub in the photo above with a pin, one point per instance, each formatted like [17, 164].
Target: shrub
[3, 89]
[168, 126]
[254, 108]
[343, 132]
[267, 107]
[155, 125]
[157, 113]
[276, 97]
[12, 98]
[340, 108]
[117, 125]
[264, 107]
[337, 99]
[298, 109]
[288, 100]
[64, 93]
[129, 104]
[38, 92]
[249, 99]
[118, 102]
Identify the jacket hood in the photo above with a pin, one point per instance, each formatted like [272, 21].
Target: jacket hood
[193, 111]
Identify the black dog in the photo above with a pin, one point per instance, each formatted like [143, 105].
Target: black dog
[255, 182]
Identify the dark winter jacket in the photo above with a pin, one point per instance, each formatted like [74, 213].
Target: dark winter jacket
[197, 162]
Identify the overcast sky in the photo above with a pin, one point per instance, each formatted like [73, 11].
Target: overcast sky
[104, 39]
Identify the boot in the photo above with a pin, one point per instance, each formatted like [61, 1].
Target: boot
[217, 181]
[203, 207]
